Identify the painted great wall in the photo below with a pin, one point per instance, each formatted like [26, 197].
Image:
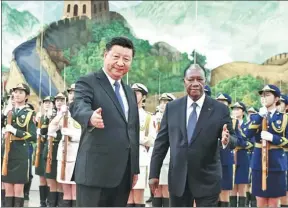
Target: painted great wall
[40, 61]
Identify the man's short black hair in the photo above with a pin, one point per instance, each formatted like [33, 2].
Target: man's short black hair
[189, 66]
[120, 41]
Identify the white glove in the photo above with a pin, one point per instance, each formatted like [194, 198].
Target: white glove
[49, 113]
[8, 108]
[267, 136]
[38, 132]
[263, 111]
[63, 109]
[158, 117]
[67, 132]
[52, 134]
[52, 130]
[10, 128]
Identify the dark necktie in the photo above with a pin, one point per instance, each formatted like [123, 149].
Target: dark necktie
[269, 118]
[192, 123]
[17, 110]
[117, 92]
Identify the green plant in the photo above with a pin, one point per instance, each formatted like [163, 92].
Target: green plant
[240, 88]
[146, 68]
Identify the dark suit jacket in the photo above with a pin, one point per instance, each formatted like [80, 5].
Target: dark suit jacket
[199, 161]
[103, 154]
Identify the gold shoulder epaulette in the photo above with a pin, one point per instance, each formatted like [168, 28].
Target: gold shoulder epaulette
[28, 109]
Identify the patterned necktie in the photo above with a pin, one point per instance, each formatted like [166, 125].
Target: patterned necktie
[192, 123]
[117, 92]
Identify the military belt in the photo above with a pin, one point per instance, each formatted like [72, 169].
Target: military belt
[239, 148]
[271, 146]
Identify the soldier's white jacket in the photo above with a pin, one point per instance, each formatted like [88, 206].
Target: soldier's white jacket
[147, 136]
[156, 124]
[73, 143]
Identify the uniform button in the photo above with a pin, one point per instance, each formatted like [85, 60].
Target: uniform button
[128, 147]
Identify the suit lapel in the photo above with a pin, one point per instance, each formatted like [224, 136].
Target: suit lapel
[182, 118]
[106, 85]
[205, 113]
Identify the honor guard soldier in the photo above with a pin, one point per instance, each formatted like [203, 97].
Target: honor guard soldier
[241, 157]
[207, 90]
[282, 108]
[269, 127]
[227, 160]
[161, 197]
[147, 138]
[50, 156]
[250, 199]
[252, 110]
[9, 100]
[67, 149]
[42, 121]
[20, 130]
[27, 186]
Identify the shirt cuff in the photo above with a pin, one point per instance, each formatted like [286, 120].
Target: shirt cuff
[224, 146]
[52, 134]
[14, 131]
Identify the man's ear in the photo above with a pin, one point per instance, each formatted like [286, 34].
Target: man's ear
[105, 54]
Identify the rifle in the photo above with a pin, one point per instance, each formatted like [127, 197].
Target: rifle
[7, 146]
[37, 156]
[265, 152]
[49, 155]
[64, 153]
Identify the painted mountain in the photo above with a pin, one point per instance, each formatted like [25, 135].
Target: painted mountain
[224, 31]
[44, 11]
[17, 27]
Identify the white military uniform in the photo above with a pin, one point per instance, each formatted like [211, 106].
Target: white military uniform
[163, 178]
[147, 138]
[72, 149]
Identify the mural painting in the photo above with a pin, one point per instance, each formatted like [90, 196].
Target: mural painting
[49, 45]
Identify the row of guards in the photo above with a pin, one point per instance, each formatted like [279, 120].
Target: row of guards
[256, 165]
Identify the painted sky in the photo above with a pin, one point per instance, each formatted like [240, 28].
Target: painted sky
[223, 31]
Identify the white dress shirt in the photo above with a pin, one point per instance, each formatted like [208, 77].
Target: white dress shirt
[272, 112]
[122, 94]
[189, 110]
[240, 122]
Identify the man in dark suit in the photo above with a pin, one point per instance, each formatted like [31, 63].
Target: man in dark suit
[107, 163]
[191, 127]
